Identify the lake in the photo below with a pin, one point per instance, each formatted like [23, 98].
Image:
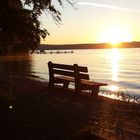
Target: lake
[120, 68]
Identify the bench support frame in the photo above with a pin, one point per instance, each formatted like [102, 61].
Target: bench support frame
[60, 73]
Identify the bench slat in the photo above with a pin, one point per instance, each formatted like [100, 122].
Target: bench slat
[70, 67]
[65, 78]
[83, 81]
[92, 83]
[84, 76]
[63, 72]
[70, 73]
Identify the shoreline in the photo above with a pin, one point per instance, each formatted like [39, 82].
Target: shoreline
[88, 46]
[32, 111]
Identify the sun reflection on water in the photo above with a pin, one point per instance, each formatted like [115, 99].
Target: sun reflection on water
[114, 88]
[115, 58]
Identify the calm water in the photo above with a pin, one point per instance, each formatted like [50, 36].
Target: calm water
[120, 68]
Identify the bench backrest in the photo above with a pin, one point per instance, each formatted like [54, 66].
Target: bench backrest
[78, 72]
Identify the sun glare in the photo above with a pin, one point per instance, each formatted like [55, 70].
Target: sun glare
[114, 35]
[115, 58]
[113, 88]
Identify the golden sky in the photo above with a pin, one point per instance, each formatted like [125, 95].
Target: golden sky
[94, 21]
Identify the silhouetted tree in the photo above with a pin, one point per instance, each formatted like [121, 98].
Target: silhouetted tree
[20, 29]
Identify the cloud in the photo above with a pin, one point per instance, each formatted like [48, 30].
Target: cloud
[112, 7]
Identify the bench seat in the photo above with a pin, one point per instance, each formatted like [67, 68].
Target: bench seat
[83, 81]
[85, 84]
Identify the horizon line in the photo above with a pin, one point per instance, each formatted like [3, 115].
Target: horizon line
[89, 43]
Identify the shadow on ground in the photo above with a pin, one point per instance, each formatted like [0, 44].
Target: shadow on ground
[30, 110]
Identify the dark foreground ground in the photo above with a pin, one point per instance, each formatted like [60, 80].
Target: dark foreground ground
[29, 110]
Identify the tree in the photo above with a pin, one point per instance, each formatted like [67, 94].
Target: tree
[20, 29]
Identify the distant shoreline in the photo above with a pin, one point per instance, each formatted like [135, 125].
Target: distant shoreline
[89, 46]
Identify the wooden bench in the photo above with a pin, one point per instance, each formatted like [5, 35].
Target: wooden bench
[60, 73]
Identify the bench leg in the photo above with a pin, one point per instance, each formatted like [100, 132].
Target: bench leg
[51, 84]
[65, 85]
[77, 91]
[95, 91]
[77, 88]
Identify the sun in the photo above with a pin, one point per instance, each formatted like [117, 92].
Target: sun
[114, 35]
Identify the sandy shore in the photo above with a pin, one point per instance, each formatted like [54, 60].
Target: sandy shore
[30, 110]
